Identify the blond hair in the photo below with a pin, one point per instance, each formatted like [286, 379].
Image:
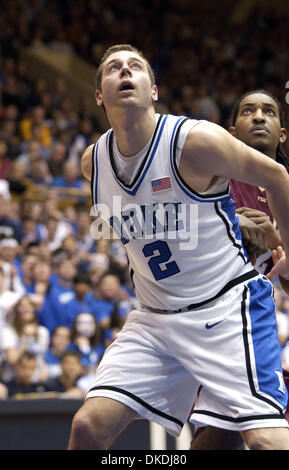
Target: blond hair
[117, 48]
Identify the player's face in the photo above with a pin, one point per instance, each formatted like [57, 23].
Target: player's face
[258, 123]
[125, 82]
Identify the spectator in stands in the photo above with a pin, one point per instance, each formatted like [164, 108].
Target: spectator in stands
[117, 320]
[54, 311]
[24, 334]
[31, 231]
[81, 140]
[8, 298]
[109, 297]
[60, 340]
[85, 242]
[5, 161]
[83, 298]
[39, 171]
[70, 178]
[57, 158]
[86, 339]
[42, 279]
[23, 382]
[67, 381]
[36, 120]
[26, 272]
[19, 184]
[10, 263]
[10, 251]
[8, 228]
[33, 149]
[56, 229]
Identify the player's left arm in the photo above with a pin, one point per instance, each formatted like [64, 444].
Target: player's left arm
[210, 150]
[85, 162]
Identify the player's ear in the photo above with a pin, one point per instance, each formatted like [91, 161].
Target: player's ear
[98, 98]
[283, 135]
[232, 130]
[155, 93]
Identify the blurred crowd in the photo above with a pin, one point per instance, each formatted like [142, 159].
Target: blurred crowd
[64, 295]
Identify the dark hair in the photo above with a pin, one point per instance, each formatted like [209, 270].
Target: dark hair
[281, 157]
[26, 355]
[82, 277]
[75, 354]
[121, 47]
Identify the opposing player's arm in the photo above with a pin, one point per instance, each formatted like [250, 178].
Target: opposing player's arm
[85, 163]
[210, 150]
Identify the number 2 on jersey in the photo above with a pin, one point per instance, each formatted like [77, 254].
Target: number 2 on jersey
[163, 256]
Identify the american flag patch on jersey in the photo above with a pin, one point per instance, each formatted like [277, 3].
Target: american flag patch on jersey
[161, 183]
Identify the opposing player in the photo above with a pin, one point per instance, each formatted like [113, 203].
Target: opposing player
[258, 120]
[161, 182]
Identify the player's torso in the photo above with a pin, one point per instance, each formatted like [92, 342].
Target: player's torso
[183, 247]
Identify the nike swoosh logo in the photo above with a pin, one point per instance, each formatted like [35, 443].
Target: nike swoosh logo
[211, 325]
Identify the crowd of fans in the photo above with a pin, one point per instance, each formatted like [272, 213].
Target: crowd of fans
[63, 294]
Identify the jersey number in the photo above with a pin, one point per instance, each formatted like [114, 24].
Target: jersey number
[163, 256]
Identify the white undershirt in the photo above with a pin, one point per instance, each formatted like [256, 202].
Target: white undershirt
[127, 167]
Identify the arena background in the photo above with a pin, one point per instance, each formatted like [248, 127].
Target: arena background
[204, 55]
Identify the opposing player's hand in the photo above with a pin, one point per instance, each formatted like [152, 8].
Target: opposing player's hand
[262, 220]
[254, 236]
[281, 264]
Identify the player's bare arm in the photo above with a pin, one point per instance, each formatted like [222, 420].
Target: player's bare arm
[210, 150]
[86, 165]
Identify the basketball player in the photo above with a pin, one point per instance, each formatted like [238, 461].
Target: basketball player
[257, 120]
[161, 182]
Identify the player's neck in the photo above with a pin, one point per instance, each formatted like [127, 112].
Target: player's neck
[133, 130]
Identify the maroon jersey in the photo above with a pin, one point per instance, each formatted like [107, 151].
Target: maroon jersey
[254, 197]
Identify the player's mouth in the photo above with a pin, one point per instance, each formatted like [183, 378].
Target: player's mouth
[259, 130]
[126, 87]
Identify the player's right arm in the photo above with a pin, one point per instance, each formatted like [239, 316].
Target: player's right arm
[86, 162]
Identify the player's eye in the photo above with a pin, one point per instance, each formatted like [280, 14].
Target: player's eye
[246, 111]
[271, 112]
[113, 67]
[136, 66]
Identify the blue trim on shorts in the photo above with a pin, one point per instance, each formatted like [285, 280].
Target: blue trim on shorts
[265, 338]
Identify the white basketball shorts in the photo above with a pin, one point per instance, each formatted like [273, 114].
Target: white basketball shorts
[228, 347]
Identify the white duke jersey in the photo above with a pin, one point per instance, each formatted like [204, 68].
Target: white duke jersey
[183, 247]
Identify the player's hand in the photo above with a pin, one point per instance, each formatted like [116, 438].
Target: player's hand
[281, 264]
[254, 236]
[263, 221]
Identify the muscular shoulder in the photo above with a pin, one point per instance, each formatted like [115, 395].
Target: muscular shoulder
[204, 144]
[206, 136]
[86, 162]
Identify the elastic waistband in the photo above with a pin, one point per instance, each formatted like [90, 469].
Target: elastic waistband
[228, 286]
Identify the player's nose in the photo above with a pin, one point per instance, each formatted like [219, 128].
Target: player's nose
[125, 70]
[258, 116]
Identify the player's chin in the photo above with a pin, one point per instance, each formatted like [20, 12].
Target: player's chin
[261, 143]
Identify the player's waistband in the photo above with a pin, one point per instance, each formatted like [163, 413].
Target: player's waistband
[234, 282]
